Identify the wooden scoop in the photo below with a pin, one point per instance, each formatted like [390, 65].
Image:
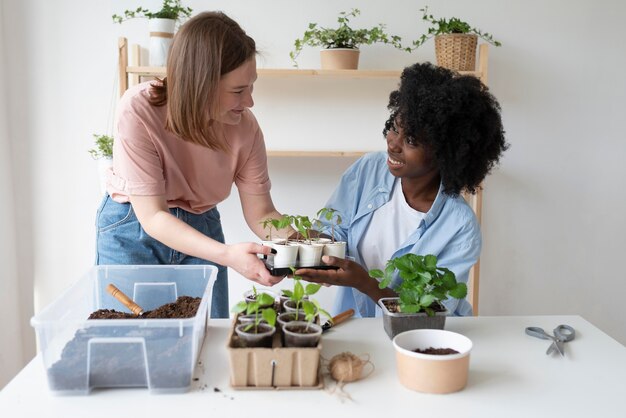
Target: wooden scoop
[128, 302]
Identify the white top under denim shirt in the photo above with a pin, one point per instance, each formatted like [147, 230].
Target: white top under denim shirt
[449, 230]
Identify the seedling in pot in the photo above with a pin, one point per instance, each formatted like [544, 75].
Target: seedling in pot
[259, 308]
[333, 217]
[424, 285]
[277, 224]
[298, 296]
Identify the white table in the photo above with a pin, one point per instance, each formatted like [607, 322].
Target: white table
[510, 376]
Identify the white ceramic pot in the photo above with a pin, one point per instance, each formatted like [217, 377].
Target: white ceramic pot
[335, 249]
[431, 373]
[286, 255]
[161, 36]
[309, 254]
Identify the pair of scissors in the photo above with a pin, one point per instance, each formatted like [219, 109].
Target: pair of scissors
[562, 334]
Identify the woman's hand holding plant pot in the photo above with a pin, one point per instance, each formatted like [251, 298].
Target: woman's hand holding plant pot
[243, 258]
[349, 274]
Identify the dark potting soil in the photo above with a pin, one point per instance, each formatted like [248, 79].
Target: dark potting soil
[302, 330]
[184, 307]
[436, 351]
[104, 356]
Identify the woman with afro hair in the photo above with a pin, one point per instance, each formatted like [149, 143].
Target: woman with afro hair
[444, 135]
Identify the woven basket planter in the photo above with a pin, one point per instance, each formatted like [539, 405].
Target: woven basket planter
[456, 51]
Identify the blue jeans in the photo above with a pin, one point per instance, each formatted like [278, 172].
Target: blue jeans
[120, 239]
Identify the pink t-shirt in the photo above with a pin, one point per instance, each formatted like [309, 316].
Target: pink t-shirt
[150, 161]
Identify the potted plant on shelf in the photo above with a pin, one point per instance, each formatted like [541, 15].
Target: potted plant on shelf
[259, 331]
[455, 41]
[334, 248]
[162, 25]
[103, 153]
[423, 288]
[341, 45]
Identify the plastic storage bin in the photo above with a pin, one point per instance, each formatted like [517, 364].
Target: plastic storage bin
[160, 354]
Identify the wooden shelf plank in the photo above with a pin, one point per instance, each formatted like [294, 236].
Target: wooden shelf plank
[280, 72]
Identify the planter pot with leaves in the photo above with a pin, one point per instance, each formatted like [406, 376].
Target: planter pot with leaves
[396, 322]
[422, 286]
[432, 361]
[345, 38]
[162, 24]
[302, 334]
[455, 41]
[161, 37]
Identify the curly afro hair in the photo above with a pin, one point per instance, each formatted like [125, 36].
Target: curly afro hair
[455, 117]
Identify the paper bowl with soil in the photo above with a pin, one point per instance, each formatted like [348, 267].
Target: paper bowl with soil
[422, 362]
[81, 354]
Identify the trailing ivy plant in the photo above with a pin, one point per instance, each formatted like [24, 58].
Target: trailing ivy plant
[343, 36]
[170, 9]
[447, 26]
[103, 148]
[259, 308]
[423, 282]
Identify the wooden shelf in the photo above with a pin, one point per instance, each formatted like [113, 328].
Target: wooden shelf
[322, 154]
[145, 71]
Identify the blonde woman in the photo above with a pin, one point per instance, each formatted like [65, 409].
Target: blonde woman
[179, 146]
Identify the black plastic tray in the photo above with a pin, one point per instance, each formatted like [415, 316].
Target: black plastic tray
[285, 271]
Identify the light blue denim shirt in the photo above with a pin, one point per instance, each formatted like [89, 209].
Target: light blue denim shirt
[449, 230]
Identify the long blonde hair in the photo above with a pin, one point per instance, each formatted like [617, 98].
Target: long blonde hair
[205, 48]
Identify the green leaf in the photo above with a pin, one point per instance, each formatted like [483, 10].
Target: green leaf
[430, 261]
[298, 290]
[427, 300]
[269, 315]
[264, 299]
[312, 288]
[376, 273]
[239, 307]
[459, 291]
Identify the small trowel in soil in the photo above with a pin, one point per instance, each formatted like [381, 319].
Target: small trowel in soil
[128, 302]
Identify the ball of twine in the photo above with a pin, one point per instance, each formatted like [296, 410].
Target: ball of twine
[347, 367]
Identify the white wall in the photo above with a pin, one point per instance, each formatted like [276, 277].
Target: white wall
[553, 233]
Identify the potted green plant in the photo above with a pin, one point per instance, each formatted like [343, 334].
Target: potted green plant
[343, 41]
[298, 333]
[333, 218]
[455, 41]
[103, 153]
[162, 25]
[259, 331]
[286, 252]
[423, 288]
[309, 252]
